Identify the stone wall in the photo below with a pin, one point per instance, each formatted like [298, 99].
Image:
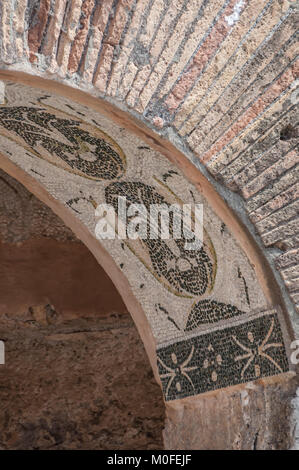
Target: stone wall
[257, 417]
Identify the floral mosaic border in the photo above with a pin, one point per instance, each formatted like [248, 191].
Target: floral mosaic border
[223, 358]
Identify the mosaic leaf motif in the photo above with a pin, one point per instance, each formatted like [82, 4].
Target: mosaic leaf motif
[185, 271]
[210, 311]
[223, 358]
[80, 148]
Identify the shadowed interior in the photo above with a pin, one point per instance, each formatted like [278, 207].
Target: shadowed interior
[76, 373]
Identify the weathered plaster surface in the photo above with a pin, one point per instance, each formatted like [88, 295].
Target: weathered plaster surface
[258, 417]
[295, 421]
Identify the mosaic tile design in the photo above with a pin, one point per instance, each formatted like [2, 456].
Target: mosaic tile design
[85, 152]
[222, 358]
[185, 271]
[204, 305]
[210, 311]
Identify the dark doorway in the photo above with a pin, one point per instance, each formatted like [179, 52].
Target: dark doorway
[76, 374]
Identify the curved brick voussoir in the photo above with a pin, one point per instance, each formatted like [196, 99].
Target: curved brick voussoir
[211, 84]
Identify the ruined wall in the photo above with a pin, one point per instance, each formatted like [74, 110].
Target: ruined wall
[258, 417]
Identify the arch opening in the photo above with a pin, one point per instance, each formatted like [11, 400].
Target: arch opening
[76, 374]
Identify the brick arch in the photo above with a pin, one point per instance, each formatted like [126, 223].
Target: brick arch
[12, 163]
[169, 89]
[215, 78]
[46, 112]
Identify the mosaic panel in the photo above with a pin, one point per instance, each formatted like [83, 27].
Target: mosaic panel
[205, 305]
[189, 272]
[78, 148]
[222, 358]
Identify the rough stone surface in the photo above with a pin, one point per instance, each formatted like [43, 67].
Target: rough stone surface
[23, 216]
[259, 417]
[85, 384]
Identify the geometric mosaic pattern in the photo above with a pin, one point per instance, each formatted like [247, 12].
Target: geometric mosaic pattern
[223, 358]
